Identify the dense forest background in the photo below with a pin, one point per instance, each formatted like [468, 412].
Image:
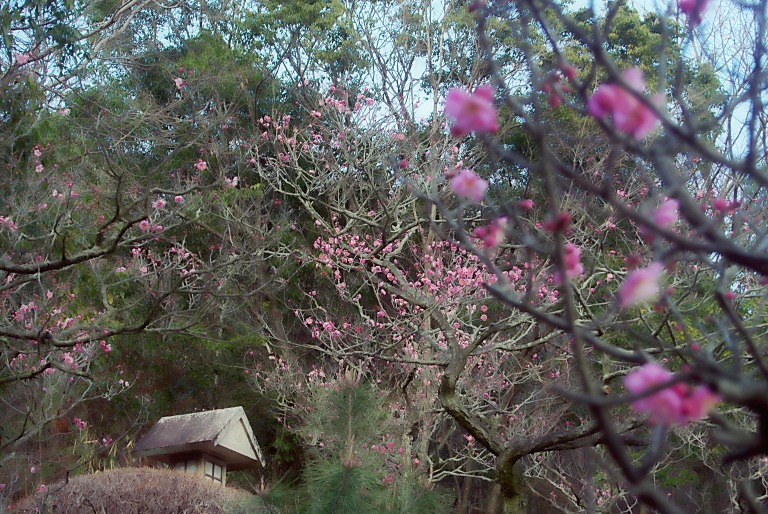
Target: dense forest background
[217, 203]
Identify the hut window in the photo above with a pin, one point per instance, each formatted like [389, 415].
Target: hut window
[189, 466]
[214, 472]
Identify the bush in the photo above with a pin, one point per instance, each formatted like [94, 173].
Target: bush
[139, 490]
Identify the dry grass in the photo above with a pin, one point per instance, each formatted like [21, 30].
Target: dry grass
[139, 490]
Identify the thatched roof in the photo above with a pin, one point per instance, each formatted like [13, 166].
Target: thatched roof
[224, 433]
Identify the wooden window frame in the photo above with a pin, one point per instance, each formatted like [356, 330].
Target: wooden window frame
[212, 476]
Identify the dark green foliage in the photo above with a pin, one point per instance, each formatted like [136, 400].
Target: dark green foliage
[323, 31]
[632, 40]
[413, 499]
[334, 487]
[46, 22]
[351, 411]
[344, 477]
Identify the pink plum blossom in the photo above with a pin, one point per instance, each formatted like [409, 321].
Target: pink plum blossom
[22, 59]
[694, 10]
[467, 184]
[699, 402]
[677, 404]
[201, 165]
[492, 235]
[525, 205]
[179, 82]
[178, 198]
[158, 204]
[720, 204]
[472, 112]
[558, 222]
[572, 261]
[665, 214]
[144, 225]
[79, 423]
[663, 406]
[554, 87]
[640, 285]
[629, 114]
[569, 72]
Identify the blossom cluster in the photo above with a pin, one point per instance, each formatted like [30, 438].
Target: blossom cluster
[492, 235]
[629, 114]
[640, 285]
[8, 223]
[468, 185]
[572, 261]
[677, 404]
[472, 112]
[694, 9]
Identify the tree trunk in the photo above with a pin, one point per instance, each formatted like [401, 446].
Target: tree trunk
[511, 479]
[515, 505]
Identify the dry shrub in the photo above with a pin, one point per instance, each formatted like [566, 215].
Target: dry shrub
[139, 490]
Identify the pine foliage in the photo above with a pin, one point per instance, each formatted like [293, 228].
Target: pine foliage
[343, 477]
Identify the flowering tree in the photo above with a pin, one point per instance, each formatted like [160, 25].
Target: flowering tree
[119, 218]
[620, 222]
[573, 232]
[700, 213]
[409, 308]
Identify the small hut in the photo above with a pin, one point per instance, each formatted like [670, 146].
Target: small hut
[208, 443]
